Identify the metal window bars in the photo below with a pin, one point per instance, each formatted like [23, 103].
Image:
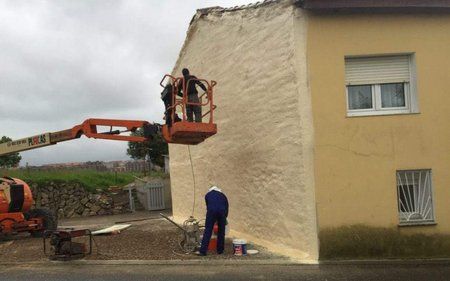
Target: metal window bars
[415, 198]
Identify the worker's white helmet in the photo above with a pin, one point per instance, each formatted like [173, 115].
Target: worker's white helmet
[214, 187]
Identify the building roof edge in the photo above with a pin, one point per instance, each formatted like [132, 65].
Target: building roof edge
[205, 11]
[373, 4]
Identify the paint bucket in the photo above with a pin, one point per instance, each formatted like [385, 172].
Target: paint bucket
[240, 247]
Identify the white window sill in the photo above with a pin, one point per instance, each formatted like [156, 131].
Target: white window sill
[417, 223]
[379, 112]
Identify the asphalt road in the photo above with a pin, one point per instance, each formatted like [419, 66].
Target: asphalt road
[428, 272]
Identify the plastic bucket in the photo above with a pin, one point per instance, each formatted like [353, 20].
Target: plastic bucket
[240, 247]
[213, 242]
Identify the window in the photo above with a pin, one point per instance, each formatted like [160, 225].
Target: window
[380, 85]
[415, 198]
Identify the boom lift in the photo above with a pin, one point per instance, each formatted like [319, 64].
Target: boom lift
[16, 198]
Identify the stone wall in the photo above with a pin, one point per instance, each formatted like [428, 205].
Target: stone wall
[69, 200]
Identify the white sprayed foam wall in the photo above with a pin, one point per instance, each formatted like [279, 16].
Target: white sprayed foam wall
[262, 154]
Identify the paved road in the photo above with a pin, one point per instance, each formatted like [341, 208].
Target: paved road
[430, 272]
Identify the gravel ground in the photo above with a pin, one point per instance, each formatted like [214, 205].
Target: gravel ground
[154, 239]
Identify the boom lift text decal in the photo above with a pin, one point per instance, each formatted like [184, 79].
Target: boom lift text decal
[37, 140]
[25, 144]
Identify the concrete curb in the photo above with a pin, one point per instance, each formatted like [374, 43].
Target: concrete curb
[235, 262]
[157, 262]
[386, 262]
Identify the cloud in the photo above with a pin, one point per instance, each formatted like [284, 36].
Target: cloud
[65, 61]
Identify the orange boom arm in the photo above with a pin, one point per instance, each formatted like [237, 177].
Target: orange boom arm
[90, 129]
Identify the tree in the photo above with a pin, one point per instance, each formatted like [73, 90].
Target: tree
[153, 149]
[10, 160]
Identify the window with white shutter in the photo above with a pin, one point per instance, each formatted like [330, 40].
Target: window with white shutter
[380, 85]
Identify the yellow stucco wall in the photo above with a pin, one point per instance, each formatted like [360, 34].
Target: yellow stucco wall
[262, 154]
[356, 158]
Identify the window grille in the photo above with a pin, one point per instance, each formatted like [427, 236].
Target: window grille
[415, 197]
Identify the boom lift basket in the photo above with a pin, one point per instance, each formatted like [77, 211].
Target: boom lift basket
[181, 130]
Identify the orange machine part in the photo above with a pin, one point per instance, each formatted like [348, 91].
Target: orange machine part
[8, 221]
[89, 129]
[15, 222]
[185, 132]
[4, 204]
[28, 196]
[27, 200]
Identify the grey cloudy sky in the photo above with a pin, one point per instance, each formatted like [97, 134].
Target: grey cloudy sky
[62, 62]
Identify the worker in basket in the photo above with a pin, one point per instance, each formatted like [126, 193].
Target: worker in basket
[167, 97]
[216, 211]
[192, 95]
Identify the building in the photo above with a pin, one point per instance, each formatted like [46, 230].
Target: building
[330, 114]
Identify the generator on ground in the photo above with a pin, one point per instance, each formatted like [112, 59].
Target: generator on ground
[63, 248]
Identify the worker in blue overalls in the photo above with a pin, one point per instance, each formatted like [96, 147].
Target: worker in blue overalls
[216, 211]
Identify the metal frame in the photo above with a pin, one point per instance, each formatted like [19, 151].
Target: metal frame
[183, 102]
[155, 196]
[69, 233]
[185, 132]
[417, 206]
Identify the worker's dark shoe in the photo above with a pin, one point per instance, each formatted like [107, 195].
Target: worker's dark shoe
[220, 253]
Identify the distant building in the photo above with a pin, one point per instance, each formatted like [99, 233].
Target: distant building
[112, 166]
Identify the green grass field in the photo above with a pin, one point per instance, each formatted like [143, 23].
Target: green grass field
[90, 179]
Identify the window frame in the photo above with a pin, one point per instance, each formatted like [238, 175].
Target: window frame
[402, 214]
[406, 92]
[411, 97]
[364, 109]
